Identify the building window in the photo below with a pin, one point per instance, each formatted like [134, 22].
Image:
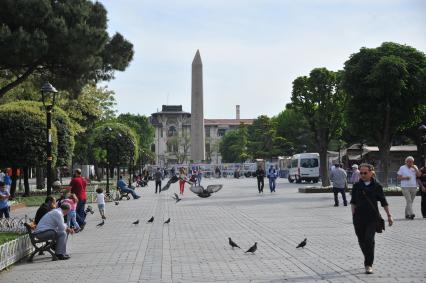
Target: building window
[221, 132]
[172, 131]
[207, 132]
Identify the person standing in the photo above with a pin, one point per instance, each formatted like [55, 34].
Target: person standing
[422, 185]
[272, 175]
[408, 174]
[182, 180]
[158, 177]
[78, 187]
[199, 176]
[4, 204]
[339, 178]
[365, 212]
[355, 174]
[260, 175]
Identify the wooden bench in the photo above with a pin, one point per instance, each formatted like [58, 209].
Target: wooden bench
[40, 246]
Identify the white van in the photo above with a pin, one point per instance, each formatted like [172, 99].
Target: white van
[304, 167]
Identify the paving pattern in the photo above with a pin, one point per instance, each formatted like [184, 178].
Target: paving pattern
[194, 246]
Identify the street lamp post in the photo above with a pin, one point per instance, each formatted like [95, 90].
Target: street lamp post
[422, 130]
[118, 156]
[131, 169]
[48, 95]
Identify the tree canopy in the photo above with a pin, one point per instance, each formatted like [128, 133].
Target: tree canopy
[386, 89]
[321, 100]
[233, 147]
[64, 41]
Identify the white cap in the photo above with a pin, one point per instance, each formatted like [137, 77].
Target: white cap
[355, 166]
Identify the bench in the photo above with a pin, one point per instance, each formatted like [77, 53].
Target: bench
[40, 246]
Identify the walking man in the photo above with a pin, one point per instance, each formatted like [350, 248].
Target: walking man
[338, 177]
[272, 176]
[158, 177]
[260, 174]
[408, 174]
[422, 183]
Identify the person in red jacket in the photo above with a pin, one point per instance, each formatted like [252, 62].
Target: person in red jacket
[78, 187]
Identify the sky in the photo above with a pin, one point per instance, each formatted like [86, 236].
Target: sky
[251, 50]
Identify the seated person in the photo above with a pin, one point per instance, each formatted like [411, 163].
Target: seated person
[48, 205]
[122, 186]
[54, 220]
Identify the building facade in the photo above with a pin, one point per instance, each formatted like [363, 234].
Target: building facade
[172, 144]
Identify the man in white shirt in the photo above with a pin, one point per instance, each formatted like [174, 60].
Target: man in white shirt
[52, 226]
[408, 174]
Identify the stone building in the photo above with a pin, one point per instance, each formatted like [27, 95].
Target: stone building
[172, 141]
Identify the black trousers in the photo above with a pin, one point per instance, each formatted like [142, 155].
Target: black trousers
[365, 232]
[260, 184]
[423, 194]
[158, 185]
[336, 192]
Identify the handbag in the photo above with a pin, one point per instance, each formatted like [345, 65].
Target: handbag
[380, 226]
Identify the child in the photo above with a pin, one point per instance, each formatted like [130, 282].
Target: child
[4, 197]
[72, 201]
[100, 199]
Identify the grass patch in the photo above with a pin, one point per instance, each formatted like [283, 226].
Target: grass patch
[34, 200]
[7, 236]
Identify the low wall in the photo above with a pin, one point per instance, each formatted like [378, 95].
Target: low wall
[13, 251]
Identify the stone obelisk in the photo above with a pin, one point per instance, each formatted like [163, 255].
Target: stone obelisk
[197, 110]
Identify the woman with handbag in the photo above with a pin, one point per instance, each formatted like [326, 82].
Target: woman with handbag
[366, 217]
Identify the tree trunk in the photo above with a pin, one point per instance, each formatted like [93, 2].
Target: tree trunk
[13, 185]
[18, 80]
[384, 151]
[40, 183]
[324, 166]
[26, 183]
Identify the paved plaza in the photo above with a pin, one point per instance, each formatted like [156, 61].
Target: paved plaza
[194, 246]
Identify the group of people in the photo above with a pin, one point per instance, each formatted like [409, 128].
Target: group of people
[272, 176]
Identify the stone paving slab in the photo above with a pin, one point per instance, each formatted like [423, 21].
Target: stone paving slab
[194, 246]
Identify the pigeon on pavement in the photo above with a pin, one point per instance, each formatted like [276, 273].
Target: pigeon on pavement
[101, 224]
[302, 244]
[177, 198]
[151, 220]
[167, 221]
[116, 202]
[136, 222]
[252, 248]
[233, 244]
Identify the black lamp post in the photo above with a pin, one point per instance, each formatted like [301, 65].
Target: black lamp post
[422, 131]
[131, 171]
[107, 129]
[48, 95]
[118, 156]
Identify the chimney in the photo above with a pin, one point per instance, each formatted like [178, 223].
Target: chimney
[237, 108]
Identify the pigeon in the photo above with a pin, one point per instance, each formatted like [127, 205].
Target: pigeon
[302, 244]
[167, 221]
[233, 244]
[151, 220]
[101, 224]
[177, 198]
[89, 209]
[205, 193]
[136, 222]
[252, 248]
[172, 180]
[116, 202]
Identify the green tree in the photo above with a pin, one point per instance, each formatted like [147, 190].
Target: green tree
[23, 138]
[321, 100]
[64, 41]
[293, 126]
[386, 89]
[233, 146]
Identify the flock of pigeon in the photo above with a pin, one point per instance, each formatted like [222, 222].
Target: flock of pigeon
[253, 248]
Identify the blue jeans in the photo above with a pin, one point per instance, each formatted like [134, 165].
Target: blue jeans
[71, 219]
[272, 184]
[81, 214]
[336, 192]
[199, 180]
[4, 211]
[130, 191]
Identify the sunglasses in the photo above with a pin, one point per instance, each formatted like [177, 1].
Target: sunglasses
[363, 173]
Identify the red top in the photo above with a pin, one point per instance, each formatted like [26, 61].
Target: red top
[78, 187]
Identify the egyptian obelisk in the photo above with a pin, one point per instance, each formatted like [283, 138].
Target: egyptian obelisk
[197, 110]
